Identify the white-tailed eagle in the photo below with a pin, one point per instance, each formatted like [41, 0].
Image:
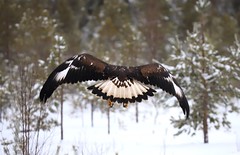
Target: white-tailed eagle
[115, 83]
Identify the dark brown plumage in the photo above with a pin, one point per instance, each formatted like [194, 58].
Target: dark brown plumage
[116, 83]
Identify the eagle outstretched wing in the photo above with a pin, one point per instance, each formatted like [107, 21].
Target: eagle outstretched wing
[157, 75]
[118, 83]
[78, 68]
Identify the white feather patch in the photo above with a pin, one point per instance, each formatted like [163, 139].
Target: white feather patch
[137, 89]
[130, 90]
[176, 88]
[61, 75]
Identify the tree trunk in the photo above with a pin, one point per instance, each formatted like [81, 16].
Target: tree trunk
[136, 112]
[61, 102]
[205, 93]
[205, 129]
[92, 110]
[205, 118]
[108, 116]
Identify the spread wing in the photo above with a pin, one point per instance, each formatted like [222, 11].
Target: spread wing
[155, 74]
[78, 68]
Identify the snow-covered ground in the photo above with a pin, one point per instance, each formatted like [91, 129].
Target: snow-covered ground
[150, 136]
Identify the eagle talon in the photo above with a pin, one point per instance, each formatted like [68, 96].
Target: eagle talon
[125, 105]
[110, 103]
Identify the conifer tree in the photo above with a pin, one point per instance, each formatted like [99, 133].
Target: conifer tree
[207, 78]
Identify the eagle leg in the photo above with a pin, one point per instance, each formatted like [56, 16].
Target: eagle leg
[110, 103]
[125, 105]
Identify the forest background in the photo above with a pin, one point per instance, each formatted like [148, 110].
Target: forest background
[196, 39]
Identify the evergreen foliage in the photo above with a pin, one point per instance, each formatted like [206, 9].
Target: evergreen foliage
[207, 76]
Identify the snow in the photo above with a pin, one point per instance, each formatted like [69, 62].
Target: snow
[128, 137]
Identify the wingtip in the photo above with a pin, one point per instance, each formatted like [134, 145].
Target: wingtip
[42, 96]
[42, 99]
[186, 112]
[185, 106]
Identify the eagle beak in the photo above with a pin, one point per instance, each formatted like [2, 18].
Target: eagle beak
[125, 105]
[110, 103]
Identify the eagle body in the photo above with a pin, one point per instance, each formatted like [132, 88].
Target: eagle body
[114, 83]
[121, 86]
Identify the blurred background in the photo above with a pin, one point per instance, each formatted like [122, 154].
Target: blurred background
[197, 40]
[119, 29]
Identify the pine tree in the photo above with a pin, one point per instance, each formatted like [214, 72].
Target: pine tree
[206, 76]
